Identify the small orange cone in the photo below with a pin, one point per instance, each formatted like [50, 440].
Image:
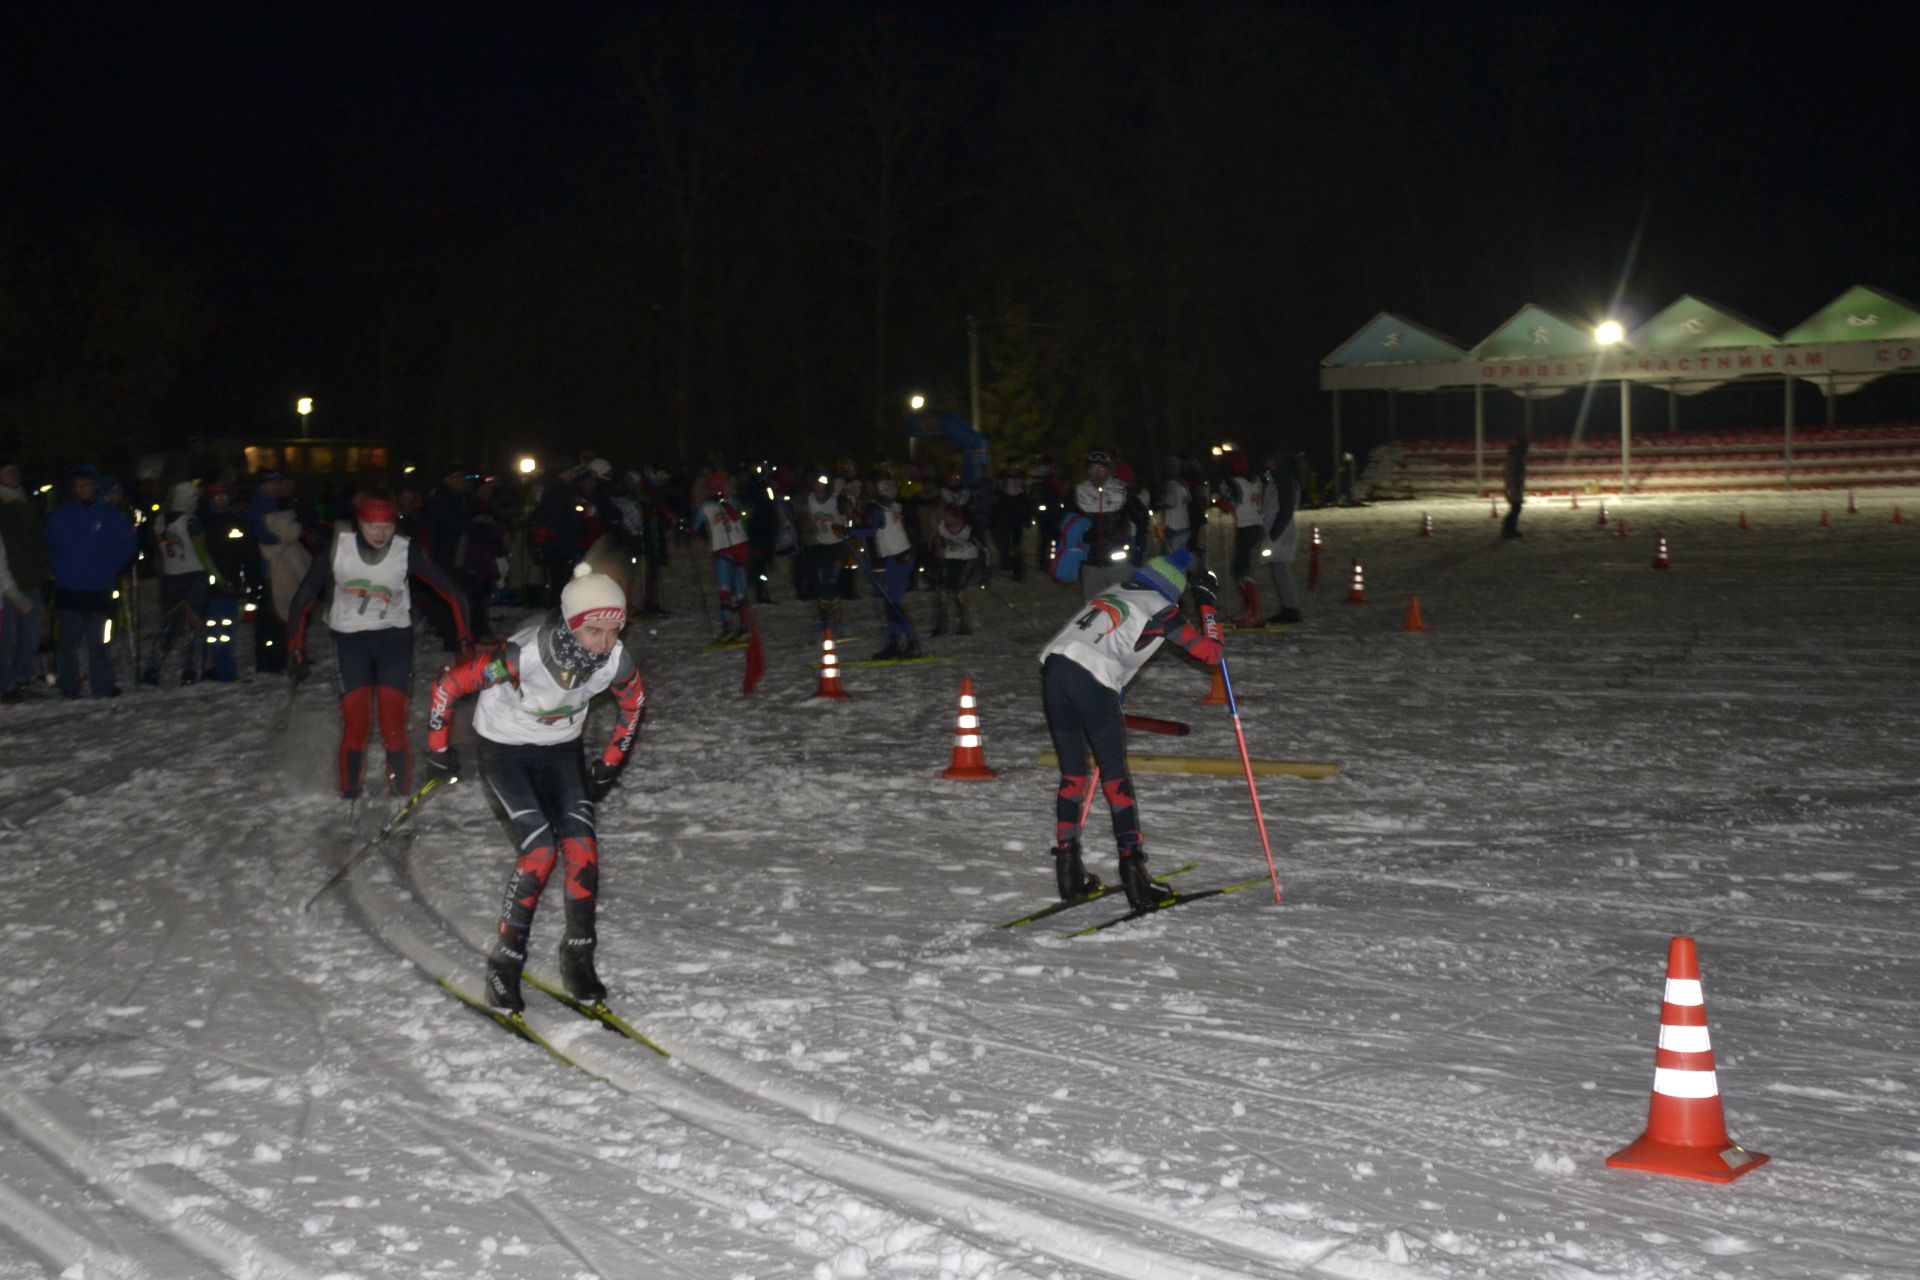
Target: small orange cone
[968, 760]
[1897, 517]
[1686, 1127]
[1573, 501]
[1413, 621]
[1603, 513]
[1216, 695]
[1621, 528]
[1357, 593]
[1744, 526]
[1660, 552]
[1493, 509]
[1826, 521]
[1313, 563]
[829, 669]
[1426, 525]
[1853, 508]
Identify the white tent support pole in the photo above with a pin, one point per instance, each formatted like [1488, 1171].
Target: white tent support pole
[1526, 428]
[1626, 436]
[1393, 400]
[1787, 384]
[1833, 401]
[1673, 406]
[1480, 437]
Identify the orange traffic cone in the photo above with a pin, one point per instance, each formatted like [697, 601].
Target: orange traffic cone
[968, 760]
[1826, 521]
[1493, 509]
[1853, 508]
[1216, 695]
[1686, 1127]
[829, 669]
[1744, 526]
[1660, 552]
[1897, 517]
[1413, 621]
[1313, 559]
[1426, 525]
[1603, 512]
[1621, 528]
[1573, 500]
[1357, 593]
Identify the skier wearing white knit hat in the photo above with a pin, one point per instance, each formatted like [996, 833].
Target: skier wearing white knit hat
[533, 696]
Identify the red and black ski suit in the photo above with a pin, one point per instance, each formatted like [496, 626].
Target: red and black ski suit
[372, 625]
[529, 718]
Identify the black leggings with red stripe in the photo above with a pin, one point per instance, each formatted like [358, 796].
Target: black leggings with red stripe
[1083, 713]
[375, 670]
[539, 792]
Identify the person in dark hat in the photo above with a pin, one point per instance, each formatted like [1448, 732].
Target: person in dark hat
[444, 520]
[1116, 521]
[90, 543]
[270, 526]
[1083, 670]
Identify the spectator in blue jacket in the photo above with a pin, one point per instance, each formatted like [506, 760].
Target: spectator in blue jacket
[89, 542]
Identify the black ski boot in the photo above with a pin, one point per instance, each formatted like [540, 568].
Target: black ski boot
[1069, 877]
[576, 970]
[503, 977]
[1144, 893]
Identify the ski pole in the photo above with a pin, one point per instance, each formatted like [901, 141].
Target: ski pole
[284, 716]
[699, 584]
[400, 815]
[913, 637]
[1246, 762]
[1019, 613]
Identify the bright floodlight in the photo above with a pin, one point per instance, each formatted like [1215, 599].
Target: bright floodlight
[303, 406]
[916, 402]
[527, 466]
[1609, 333]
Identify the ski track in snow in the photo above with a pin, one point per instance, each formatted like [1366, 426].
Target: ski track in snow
[1413, 1068]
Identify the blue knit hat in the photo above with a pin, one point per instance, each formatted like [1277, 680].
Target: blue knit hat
[1166, 574]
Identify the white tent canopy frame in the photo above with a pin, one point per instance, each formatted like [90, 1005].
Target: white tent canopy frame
[1571, 357]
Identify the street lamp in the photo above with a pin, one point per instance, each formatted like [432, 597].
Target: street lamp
[304, 407]
[527, 466]
[1609, 333]
[916, 402]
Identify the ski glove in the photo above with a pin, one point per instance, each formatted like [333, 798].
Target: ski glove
[1202, 585]
[297, 661]
[600, 777]
[1209, 621]
[19, 600]
[445, 764]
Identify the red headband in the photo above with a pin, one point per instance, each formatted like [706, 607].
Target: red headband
[374, 510]
[601, 614]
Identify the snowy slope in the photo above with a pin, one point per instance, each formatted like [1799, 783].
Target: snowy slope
[1416, 1066]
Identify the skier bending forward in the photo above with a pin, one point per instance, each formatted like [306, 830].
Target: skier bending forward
[534, 693]
[1082, 672]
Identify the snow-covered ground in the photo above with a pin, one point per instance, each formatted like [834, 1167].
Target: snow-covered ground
[1416, 1066]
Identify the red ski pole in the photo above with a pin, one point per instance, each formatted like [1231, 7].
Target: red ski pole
[1246, 762]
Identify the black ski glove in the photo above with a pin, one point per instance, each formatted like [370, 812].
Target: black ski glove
[297, 661]
[1203, 587]
[445, 764]
[600, 777]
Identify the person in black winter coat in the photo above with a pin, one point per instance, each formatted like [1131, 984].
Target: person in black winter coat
[1516, 478]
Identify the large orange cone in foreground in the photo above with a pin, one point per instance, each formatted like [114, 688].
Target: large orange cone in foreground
[1412, 621]
[969, 761]
[829, 669]
[1216, 695]
[1686, 1128]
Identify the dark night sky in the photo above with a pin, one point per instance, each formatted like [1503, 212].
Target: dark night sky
[337, 179]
